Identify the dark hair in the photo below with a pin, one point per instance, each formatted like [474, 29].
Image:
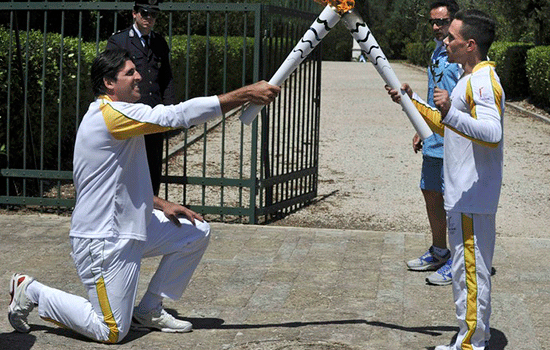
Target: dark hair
[451, 6]
[479, 26]
[106, 66]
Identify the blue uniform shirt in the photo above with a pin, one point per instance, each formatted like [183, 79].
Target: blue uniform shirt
[445, 75]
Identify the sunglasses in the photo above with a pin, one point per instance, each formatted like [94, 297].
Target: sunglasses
[439, 21]
[147, 13]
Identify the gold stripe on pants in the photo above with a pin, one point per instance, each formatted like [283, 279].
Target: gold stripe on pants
[471, 279]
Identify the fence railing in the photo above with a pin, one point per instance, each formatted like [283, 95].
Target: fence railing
[222, 169]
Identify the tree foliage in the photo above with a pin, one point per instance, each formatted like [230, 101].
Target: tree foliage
[525, 21]
[395, 23]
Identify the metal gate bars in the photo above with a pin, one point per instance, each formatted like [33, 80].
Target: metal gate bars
[226, 170]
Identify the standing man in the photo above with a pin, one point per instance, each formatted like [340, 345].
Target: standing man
[471, 120]
[117, 220]
[444, 75]
[150, 54]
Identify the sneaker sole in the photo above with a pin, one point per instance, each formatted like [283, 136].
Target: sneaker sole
[12, 289]
[439, 283]
[10, 312]
[139, 328]
[17, 328]
[164, 330]
[170, 330]
[425, 268]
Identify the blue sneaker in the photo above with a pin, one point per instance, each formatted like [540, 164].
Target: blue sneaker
[443, 276]
[429, 261]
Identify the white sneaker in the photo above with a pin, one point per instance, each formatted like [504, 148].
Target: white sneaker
[159, 319]
[429, 261]
[20, 304]
[443, 276]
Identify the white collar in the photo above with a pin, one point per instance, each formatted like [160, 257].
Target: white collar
[136, 30]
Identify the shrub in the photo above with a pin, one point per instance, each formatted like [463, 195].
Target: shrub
[510, 60]
[193, 63]
[44, 139]
[59, 114]
[337, 45]
[45, 135]
[419, 53]
[538, 74]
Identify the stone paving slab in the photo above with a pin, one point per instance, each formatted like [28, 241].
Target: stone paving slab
[263, 288]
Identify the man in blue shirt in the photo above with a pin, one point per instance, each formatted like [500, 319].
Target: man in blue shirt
[444, 75]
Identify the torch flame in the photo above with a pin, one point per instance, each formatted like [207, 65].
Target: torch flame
[341, 6]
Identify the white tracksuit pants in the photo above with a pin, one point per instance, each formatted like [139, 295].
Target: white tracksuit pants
[109, 269]
[472, 242]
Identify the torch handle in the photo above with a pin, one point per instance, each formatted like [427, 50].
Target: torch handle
[318, 30]
[369, 47]
[250, 113]
[423, 130]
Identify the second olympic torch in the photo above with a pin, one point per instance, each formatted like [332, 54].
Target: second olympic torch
[318, 30]
[370, 48]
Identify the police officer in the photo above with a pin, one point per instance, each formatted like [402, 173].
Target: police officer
[149, 51]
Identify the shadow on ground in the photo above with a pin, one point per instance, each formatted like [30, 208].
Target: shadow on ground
[19, 341]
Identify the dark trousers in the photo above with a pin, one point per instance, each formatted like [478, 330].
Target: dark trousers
[153, 145]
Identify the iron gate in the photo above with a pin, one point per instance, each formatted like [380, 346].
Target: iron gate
[223, 169]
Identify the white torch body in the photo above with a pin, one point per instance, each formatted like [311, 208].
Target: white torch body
[318, 30]
[369, 47]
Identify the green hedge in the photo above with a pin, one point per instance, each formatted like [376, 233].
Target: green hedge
[60, 120]
[419, 53]
[337, 45]
[538, 73]
[190, 74]
[510, 58]
[56, 104]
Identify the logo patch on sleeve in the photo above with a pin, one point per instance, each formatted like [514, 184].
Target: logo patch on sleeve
[485, 95]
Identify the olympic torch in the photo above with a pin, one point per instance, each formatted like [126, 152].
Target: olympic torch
[370, 48]
[319, 29]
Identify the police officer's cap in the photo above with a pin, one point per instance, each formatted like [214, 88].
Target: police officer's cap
[149, 5]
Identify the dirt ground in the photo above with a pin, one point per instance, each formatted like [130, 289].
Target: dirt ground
[369, 174]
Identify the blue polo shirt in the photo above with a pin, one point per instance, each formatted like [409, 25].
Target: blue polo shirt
[445, 75]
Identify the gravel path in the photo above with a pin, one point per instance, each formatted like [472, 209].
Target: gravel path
[369, 174]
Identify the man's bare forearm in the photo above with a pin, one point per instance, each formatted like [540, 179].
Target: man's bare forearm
[260, 93]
